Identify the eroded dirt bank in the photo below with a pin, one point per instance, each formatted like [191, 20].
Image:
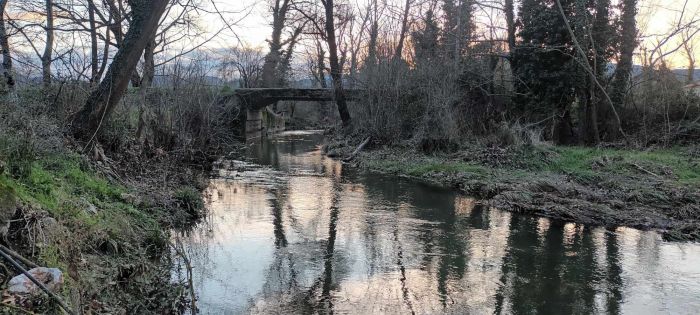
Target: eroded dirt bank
[654, 189]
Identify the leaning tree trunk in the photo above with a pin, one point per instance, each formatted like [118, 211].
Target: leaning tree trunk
[5, 46]
[146, 15]
[336, 73]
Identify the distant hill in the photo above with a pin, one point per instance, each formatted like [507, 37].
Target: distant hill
[682, 74]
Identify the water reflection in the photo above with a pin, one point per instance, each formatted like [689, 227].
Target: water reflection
[293, 232]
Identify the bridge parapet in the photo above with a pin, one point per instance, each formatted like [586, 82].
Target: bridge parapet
[258, 98]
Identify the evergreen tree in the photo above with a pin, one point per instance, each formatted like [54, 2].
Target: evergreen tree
[550, 78]
[543, 65]
[458, 26]
[425, 40]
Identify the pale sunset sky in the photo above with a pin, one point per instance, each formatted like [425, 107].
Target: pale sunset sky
[655, 19]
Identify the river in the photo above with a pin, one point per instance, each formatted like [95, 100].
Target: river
[290, 231]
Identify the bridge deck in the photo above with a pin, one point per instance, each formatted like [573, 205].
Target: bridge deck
[257, 98]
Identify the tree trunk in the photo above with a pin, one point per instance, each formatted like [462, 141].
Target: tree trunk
[321, 76]
[336, 72]
[116, 25]
[6, 53]
[273, 58]
[691, 69]
[105, 56]
[135, 78]
[690, 54]
[601, 33]
[48, 49]
[627, 46]
[146, 83]
[373, 34]
[404, 30]
[510, 24]
[563, 133]
[115, 10]
[149, 65]
[144, 23]
[590, 133]
[623, 71]
[94, 54]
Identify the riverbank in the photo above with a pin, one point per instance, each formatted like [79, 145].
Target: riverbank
[104, 223]
[654, 189]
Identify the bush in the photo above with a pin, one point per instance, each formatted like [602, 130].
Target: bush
[189, 199]
[27, 132]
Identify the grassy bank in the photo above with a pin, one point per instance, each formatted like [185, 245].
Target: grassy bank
[110, 241]
[102, 211]
[645, 189]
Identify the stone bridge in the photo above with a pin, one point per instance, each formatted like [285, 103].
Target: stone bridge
[255, 101]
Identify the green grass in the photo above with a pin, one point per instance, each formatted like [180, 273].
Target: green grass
[579, 161]
[65, 187]
[421, 168]
[446, 167]
[574, 161]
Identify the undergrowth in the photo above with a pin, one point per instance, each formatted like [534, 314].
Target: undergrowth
[98, 229]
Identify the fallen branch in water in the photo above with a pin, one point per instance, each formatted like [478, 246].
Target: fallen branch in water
[179, 250]
[357, 150]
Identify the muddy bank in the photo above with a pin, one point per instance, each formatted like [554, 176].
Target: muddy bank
[656, 189]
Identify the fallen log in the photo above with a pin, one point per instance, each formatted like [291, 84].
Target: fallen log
[357, 150]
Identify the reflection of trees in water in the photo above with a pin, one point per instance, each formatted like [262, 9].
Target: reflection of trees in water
[402, 268]
[432, 263]
[558, 274]
[277, 221]
[452, 260]
[326, 302]
[613, 274]
[283, 288]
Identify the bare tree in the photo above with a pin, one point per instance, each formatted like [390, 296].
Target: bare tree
[404, 30]
[94, 54]
[245, 62]
[689, 51]
[145, 17]
[47, 56]
[280, 9]
[6, 53]
[336, 71]
[510, 23]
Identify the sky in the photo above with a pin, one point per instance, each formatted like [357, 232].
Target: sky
[655, 17]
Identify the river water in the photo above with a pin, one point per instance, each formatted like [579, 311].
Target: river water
[293, 232]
